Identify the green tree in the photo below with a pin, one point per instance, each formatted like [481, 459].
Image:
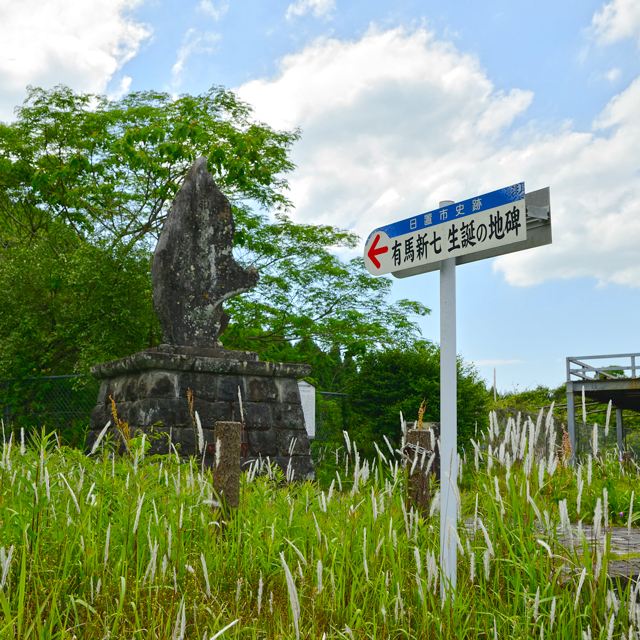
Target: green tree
[111, 168]
[398, 379]
[67, 307]
[307, 292]
[528, 403]
[85, 185]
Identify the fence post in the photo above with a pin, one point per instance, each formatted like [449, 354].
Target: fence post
[571, 422]
[226, 464]
[619, 425]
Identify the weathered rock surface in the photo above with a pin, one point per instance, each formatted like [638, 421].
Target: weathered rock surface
[193, 271]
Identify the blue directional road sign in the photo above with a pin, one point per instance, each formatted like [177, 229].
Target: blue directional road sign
[486, 222]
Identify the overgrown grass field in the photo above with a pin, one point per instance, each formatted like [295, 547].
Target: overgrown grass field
[108, 547]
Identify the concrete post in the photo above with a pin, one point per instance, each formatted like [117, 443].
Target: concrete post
[226, 465]
[448, 425]
[619, 426]
[571, 422]
[421, 444]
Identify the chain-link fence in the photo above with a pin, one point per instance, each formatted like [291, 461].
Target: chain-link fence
[591, 437]
[61, 403]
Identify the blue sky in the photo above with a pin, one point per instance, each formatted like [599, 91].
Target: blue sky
[401, 105]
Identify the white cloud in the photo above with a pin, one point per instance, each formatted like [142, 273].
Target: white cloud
[595, 199]
[319, 8]
[397, 121]
[395, 110]
[122, 89]
[215, 11]
[618, 20]
[192, 43]
[75, 42]
[613, 74]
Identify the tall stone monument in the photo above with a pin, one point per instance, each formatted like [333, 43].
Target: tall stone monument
[193, 272]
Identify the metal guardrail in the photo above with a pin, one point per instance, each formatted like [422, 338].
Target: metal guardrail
[585, 371]
[605, 378]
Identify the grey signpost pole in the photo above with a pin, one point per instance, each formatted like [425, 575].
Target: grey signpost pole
[448, 425]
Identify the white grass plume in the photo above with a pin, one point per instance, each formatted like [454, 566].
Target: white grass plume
[364, 555]
[610, 626]
[151, 567]
[293, 596]
[219, 633]
[487, 539]
[106, 545]
[487, 564]
[416, 554]
[240, 403]
[580, 483]
[472, 566]
[200, 434]
[420, 590]
[580, 583]
[73, 495]
[435, 504]
[206, 574]
[5, 562]
[597, 519]
[347, 442]
[181, 623]
[293, 546]
[137, 519]
[542, 543]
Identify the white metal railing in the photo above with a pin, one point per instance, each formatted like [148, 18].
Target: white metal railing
[581, 370]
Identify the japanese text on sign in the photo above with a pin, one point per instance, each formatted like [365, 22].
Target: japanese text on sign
[458, 235]
[476, 224]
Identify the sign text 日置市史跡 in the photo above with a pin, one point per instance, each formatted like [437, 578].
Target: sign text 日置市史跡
[483, 222]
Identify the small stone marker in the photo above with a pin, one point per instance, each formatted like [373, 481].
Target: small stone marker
[226, 465]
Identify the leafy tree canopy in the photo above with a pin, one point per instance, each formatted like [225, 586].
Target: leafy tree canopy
[111, 168]
[85, 185]
[398, 379]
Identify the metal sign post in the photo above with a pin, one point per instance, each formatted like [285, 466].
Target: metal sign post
[448, 423]
[495, 223]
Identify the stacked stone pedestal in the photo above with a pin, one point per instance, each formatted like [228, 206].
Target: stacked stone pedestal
[150, 390]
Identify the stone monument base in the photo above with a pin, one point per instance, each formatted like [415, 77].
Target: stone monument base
[150, 393]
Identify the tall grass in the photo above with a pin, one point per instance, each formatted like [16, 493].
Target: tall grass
[103, 547]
